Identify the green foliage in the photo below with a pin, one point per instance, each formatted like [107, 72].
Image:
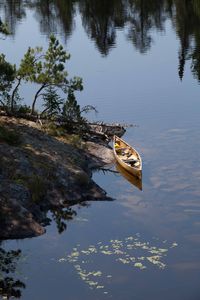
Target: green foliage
[30, 65]
[71, 109]
[52, 102]
[72, 114]
[76, 141]
[52, 129]
[24, 109]
[74, 84]
[49, 68]
[46, 69]
[7, 73]
[53, 70]
[9, 136]
[7, 77]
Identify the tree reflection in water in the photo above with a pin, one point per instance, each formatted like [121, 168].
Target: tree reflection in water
[9, 286]
[102, 19]
[63, 215]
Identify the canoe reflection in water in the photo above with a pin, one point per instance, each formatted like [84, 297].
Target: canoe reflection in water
[136, 181]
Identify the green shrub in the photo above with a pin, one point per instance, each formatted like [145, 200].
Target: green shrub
[54, 130]
[24, 109]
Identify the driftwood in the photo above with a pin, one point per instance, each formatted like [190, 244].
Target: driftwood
[99, 129]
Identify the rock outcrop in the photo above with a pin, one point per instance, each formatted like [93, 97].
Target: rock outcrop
[41, 172]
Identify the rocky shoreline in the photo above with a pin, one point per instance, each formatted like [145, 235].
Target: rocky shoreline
[41, 172]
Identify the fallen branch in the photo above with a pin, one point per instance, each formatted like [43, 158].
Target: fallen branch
[100, 128]
[108, 170]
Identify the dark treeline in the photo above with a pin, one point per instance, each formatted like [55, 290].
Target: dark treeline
[101, 19]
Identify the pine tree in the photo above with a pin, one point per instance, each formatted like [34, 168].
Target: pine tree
[71, 109]
[72, 113]
[52, 102]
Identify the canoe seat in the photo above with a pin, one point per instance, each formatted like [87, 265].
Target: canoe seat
[132, 162]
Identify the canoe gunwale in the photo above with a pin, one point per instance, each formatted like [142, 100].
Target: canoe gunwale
[136, 171]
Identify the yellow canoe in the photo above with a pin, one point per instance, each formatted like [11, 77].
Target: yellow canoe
[127, 157]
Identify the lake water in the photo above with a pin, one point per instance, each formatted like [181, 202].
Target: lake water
[140, 64]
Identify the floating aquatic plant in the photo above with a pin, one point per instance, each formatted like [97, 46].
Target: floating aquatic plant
[130, 251]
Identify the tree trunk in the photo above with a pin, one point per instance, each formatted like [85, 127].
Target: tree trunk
[1, 102]
[35, 98]
[13, 94]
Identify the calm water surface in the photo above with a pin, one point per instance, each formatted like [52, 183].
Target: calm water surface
[140, 64]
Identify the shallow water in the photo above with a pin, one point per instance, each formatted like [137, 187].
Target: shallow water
[144, 244]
